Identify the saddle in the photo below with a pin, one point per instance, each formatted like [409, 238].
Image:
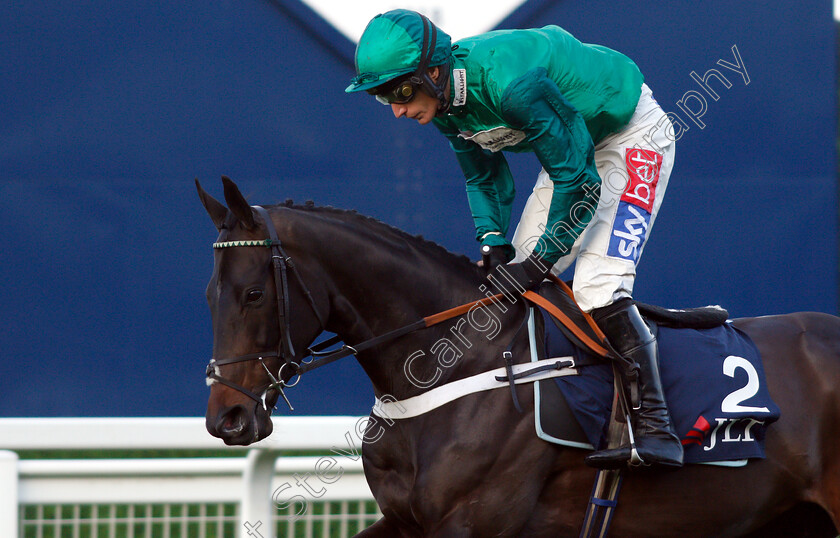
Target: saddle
[713, 413]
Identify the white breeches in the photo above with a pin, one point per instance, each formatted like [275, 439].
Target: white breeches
[634, 164]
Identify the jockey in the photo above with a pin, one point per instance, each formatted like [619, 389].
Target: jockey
[606, 150]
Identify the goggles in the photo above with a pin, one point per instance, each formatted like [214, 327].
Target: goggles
[400, 94]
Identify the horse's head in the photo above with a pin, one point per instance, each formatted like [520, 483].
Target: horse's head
[265, 311]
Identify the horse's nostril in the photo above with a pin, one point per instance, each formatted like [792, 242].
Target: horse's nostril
[235, 424]
[232, 422]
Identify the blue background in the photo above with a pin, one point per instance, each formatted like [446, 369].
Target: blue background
[110, 109]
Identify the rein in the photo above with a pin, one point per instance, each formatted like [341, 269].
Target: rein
[323, 358]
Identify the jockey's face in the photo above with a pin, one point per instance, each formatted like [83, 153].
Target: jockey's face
[422, 107]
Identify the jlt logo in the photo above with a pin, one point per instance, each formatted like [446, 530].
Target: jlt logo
[728, 430]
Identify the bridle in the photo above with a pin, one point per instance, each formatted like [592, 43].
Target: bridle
[282, 264]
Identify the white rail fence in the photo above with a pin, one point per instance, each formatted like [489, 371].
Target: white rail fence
[252, 493]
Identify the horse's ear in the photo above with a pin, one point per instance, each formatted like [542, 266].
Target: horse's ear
[238, 205]
[214, 208]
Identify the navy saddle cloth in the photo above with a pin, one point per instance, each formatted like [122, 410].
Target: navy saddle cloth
[714, 385]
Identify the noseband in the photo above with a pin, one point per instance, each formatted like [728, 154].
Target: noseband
[282, 263]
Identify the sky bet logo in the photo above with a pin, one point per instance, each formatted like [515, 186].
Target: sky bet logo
[633, 215]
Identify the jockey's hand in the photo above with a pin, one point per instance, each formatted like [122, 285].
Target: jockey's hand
[493, 256]
[514, 278]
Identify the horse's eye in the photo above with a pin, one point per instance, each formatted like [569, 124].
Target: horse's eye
[254, 296]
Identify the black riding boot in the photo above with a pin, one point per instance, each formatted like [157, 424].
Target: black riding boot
[656, 442]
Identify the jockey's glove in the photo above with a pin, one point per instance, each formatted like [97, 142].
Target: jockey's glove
[515, 278]
[493, 256]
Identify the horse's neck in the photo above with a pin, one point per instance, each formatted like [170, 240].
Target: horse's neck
[372, 297]
[387, 285]
[380, 284]
[428, 357]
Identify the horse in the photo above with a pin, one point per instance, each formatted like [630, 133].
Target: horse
[474, 467]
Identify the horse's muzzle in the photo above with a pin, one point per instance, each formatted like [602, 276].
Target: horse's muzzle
[239, 425]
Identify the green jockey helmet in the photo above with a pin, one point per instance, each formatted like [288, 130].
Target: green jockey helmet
[399, 43]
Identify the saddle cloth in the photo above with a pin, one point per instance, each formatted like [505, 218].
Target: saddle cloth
[714, 386]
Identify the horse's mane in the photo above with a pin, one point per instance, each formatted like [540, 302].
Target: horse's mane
[381, 228]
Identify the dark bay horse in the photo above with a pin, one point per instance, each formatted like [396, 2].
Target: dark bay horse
[475, 467]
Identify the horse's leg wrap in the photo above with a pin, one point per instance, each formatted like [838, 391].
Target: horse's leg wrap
[655, 440]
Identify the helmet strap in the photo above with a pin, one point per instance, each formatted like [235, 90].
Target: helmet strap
[421, 75]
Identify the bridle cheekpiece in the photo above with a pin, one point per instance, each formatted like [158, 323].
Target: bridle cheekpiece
[282, 264]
